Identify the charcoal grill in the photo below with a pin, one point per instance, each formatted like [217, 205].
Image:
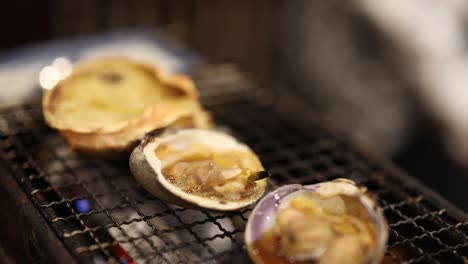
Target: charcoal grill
[60, 206]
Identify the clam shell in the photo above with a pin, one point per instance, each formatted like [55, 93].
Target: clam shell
[146, 168]
[263, 217]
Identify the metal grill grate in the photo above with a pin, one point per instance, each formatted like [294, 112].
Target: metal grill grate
[101, 214]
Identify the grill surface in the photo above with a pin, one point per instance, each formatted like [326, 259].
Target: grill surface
[99, 212]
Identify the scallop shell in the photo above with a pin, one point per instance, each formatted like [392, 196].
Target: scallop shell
[103, 108]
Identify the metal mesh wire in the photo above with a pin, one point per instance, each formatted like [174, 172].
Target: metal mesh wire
[102, 215]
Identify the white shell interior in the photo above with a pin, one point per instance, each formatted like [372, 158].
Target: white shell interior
[179, 139]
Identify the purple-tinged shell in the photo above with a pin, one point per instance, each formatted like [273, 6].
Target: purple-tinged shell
[263, 217]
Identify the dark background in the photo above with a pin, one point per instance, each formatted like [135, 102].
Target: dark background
[241, 31]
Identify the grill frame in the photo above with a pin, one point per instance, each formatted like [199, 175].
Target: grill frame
[223, 89]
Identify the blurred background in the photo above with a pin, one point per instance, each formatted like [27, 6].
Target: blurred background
[392, 74]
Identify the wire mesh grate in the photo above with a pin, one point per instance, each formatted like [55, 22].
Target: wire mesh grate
[102, 215]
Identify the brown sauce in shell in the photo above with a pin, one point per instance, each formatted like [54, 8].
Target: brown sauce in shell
[265, 250]
[208, 190]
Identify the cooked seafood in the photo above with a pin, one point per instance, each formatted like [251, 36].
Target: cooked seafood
[330, 222]
[198, 168]
[108, 105]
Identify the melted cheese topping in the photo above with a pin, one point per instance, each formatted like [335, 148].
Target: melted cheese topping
[110, 93]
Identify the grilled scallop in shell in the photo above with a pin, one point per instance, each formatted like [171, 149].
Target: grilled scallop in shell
[329, 222]
[198, 168]
[106, 106]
